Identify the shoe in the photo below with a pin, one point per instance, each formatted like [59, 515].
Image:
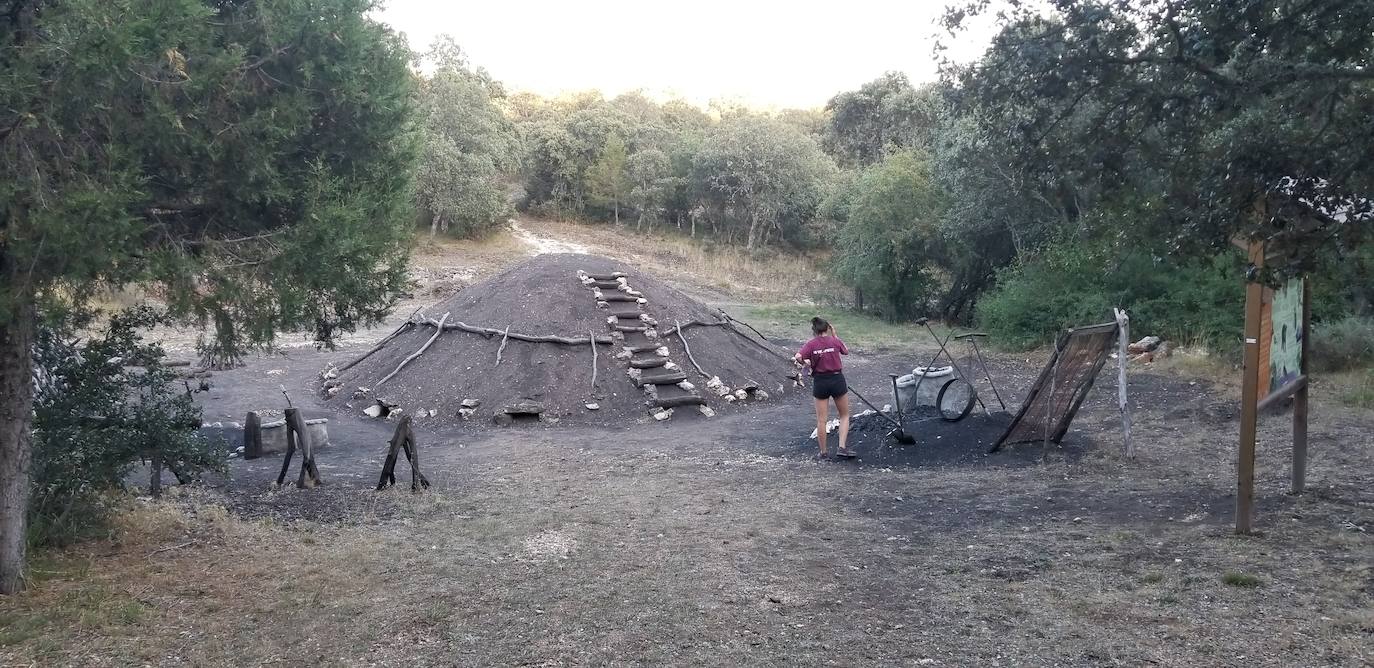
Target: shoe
[820, 457]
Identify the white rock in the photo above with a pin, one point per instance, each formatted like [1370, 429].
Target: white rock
[624, 355]
[663, 415]
[729, 398]
[592, 407]
[662, 351]
[611, 320]
[642, 300]
[330, 373]
[687, 386]
[671, 366]
[467, 413]
[373, 411]
[433, 412]
[596, 292]
[276, 372]
[601, 304]
[333, 391]
[760, 395]
[707, 411]
[714, 382]
[741, 394]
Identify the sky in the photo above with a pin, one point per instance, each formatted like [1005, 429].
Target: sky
[763, 53]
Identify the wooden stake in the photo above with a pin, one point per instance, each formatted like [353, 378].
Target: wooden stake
[1123, 323]
[1300, 399]
[1249, 395]
[252, 436]
[688, 349]
[502, 348]
[437, 331]
[298, 437]
[403, 440]
[592, 338]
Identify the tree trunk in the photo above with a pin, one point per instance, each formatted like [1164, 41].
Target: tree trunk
[434, 226]
[16, 416]
[615, 204]
[753, 231]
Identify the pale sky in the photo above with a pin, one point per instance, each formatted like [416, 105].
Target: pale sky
[766, 53]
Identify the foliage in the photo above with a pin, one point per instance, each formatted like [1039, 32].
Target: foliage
[1218, 108]
[607, 180]
[103, 406]
[1076, 283]
[468, 146]
[762, 178]
[887, 248]
[1343, 344]
[210, 148]
[882, 116]
[650, 175]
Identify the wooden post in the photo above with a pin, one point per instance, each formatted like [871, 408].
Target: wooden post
[1123, 323]
[1300, 399]
[155, 482]
[1249, 395]
[403, 440]
[296, 432]
[252, 436]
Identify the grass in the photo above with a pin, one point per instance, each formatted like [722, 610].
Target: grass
[1237, 579]
[793, 321]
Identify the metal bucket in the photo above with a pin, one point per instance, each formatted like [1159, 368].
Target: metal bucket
[910, 396]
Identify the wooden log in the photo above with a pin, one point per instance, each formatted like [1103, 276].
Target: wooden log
[653, 363]
[674, 402]
[618, 297]
[669, 378]
[610, 278]
[405, 326]
[678, 328]
[630, 328]
[252, 436]
[439, 329]
[505, 336]
[532, 338]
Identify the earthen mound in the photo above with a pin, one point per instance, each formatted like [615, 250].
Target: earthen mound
[519, 345]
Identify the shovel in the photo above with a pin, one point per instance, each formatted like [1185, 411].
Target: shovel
[898, 433]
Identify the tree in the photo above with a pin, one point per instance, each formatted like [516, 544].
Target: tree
[251, 160]
[889, 247]
[884, 115]
[468, 146]
[1239, 117]
[650, 174]
[767, 172]
[607, 179]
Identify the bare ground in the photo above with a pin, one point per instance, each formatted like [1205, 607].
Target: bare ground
[719, 542]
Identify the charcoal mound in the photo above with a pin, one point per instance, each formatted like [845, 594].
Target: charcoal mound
[473, 372]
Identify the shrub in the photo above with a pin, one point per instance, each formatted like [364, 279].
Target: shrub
[1344, 344]
[1075, 284]
[99, 409]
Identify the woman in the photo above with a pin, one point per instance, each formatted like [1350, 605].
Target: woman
[822, 356]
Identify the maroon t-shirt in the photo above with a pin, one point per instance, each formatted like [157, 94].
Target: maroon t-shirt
[824, 353]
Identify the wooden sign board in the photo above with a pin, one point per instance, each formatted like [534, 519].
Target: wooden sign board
[1277, 327]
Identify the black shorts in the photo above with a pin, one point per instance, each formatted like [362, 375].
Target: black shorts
[828, 385]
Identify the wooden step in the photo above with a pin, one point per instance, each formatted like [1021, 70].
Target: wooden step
[627, 314]
[643, 347]
[606, 277]
[641, 327]
[607, 296]
[606, 285]
[648, 362]
[663, 378]
[684, 400]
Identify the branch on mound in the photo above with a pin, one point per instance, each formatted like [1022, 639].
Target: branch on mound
[417, 353]
[532, 338]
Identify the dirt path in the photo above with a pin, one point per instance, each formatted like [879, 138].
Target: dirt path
[542, 245]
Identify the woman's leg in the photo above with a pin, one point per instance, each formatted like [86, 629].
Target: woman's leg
[822, 412]
[842, 407]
